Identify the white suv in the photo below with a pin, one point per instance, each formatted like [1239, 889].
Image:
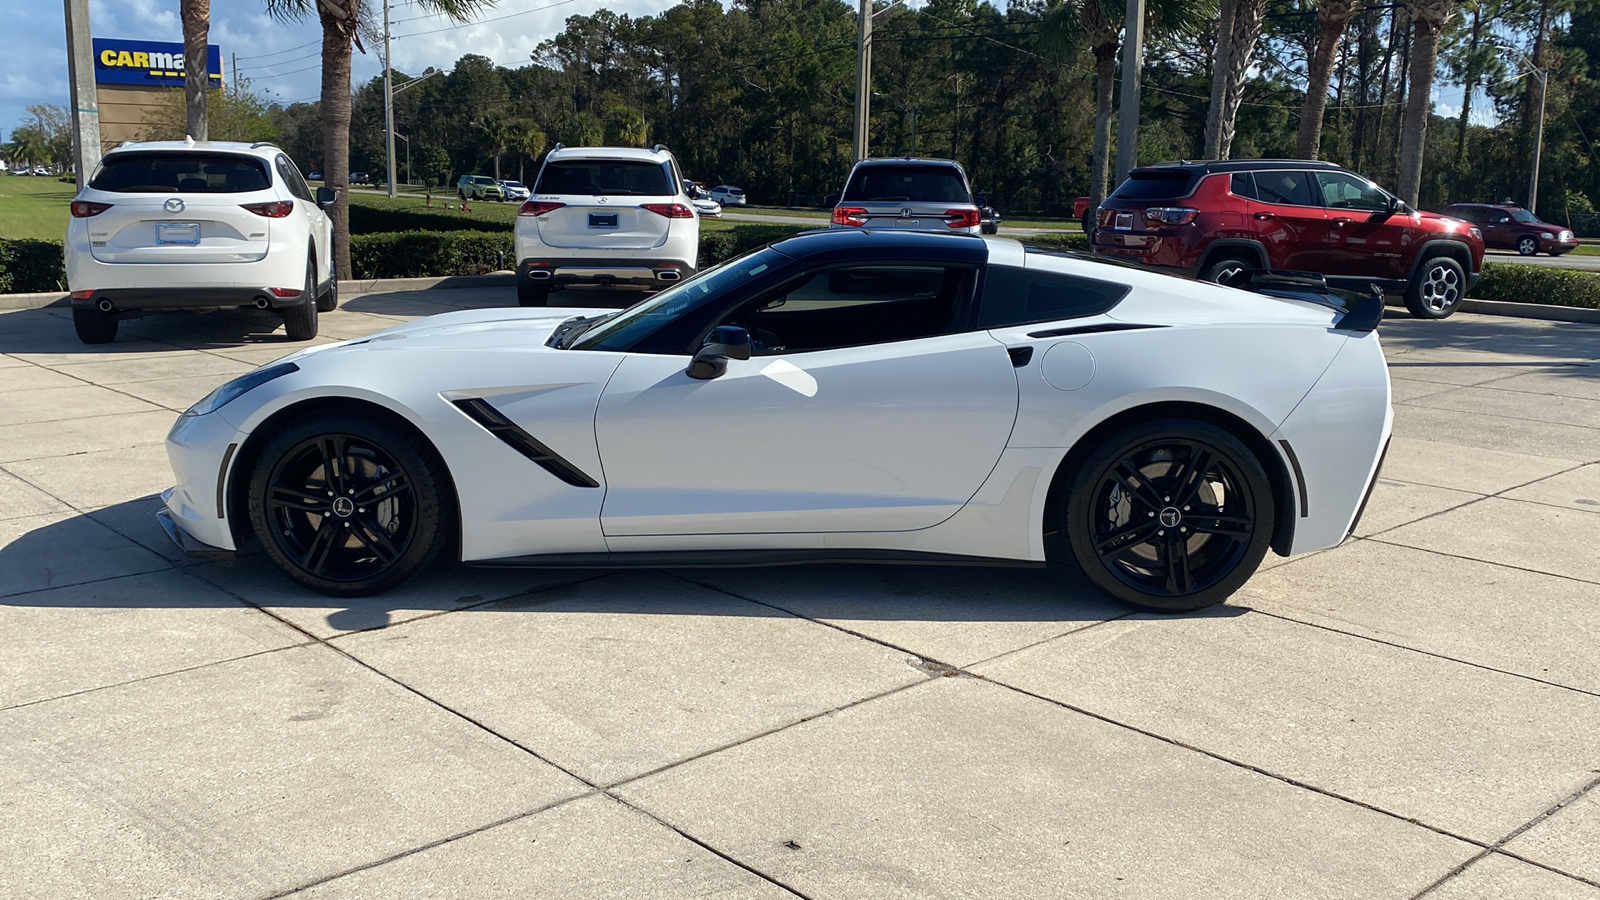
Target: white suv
[609, 216]
[168, 225]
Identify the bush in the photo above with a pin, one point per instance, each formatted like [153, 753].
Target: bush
[723, 244]
[1059, 240]
[1538, 284]
[378, 220]
[415, 254]
[30, 266]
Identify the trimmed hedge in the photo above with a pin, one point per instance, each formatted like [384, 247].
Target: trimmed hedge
[378, 220]
[29, 266]
[723, 244]
[1075, 240]
[1544, 285]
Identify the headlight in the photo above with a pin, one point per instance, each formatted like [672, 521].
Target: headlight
[1475, 232]
[225, 394]
[1547, 235]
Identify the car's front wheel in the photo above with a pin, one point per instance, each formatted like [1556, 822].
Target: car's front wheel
[300, 320]
[348, 506]
[1528, 246]
[1437, 289]
[94, 326]
[1170, 515]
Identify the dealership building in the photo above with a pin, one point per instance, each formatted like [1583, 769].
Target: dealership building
[132, 77]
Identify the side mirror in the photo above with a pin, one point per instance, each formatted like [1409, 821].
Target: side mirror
[1396, 205]
[326, 197]
[725, 342]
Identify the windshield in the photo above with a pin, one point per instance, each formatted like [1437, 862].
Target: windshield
[1522, 215]
[678, 301]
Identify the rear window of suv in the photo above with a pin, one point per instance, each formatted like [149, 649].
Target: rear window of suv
[1156, 185]
[183, 173]
[942, 184]
[595, 177]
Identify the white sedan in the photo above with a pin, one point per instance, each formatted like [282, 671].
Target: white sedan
[892, 397]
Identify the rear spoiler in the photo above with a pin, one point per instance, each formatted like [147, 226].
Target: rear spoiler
[1357, 311]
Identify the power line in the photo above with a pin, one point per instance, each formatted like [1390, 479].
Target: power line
[483, 21]
[281, 62]
[280, 52]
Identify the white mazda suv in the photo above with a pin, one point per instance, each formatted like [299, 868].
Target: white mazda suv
[605, 216]
[167, 225]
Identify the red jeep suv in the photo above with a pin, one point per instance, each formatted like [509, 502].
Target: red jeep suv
[1216, 220]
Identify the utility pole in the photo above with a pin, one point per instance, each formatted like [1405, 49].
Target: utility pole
[388, 104]
[235, 70]
[1538, 143]
[85, 101]
[863, 80]
[1132, 69]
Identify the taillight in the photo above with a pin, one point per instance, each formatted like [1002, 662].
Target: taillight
[961, 218]
[854, 216]
[670, 210]
[538, 208]
[1170, 215]
[277, 209]
[83, 209]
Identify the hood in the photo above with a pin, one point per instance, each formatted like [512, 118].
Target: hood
[471, 329]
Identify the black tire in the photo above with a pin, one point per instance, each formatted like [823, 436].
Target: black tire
[1153, 535]
[461, 194]
[1527, 246]
[1087, 223]
[400, 513]
[94, 326]
[1437, 289]
[300, 320]
[328, 300]
[531, 295]
[1229, 270]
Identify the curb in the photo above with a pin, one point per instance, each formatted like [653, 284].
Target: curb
[1520, 310]
[446, 282]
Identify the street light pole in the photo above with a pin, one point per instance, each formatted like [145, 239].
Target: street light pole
[388, 104]
[85, 101]
[863, 80]
[1132, 69]
[1538, 136]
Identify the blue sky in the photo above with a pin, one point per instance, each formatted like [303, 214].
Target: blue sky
[280, 60]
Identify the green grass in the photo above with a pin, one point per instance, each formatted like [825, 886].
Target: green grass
[1587, 250]
[821, 216]
[33, 207]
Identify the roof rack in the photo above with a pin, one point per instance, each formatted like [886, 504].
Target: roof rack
[259, 144]
[658, 148]
[558, 146]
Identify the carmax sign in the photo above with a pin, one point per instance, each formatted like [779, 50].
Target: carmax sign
[148, 63]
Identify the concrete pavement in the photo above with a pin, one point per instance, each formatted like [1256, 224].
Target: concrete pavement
[1410, 714]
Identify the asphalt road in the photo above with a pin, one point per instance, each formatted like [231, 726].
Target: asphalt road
[1413, 712]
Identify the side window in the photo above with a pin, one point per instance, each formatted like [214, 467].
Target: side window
[291, 178]
[1284, 186]
[1499, 217]
[853, 306]
[1243, 185]
[1341, 191]
[1014, 296]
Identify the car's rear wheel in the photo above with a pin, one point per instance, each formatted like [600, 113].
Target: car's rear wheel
[530, 295]
[300, 320]
[348, 506]
[1229, 270]
[94, 326]
[1437, 289]
[1527, 246]
[1170, 515]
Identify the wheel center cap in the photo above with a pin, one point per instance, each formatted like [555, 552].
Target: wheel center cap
[1170, 517]
[344, 507]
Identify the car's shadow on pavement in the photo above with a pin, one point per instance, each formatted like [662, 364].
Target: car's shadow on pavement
[50, 331]
[77, 562]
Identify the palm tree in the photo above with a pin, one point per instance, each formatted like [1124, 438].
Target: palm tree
[28, 146]
[1238, 28]
[1428, 18]
[1333, 17]
[341, 21]
[196, 18]
[1100, 23]
[527, 142]
[496, 134]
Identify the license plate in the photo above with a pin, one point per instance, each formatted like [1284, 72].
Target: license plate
[178, 233]
[597, 220]
[1124, 222]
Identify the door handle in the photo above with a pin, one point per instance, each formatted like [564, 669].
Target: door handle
[1340, 223]
[1264, 216]
[1019, 356]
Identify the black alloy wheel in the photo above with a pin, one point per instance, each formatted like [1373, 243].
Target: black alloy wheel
[347, 506]
[1170, 515]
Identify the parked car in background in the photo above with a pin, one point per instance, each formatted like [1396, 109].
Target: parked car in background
[1218, 220]
[1507, 227]
[988, 217]
[728, 195]
[1082, 212]
[700, 199]
[360, 178]
[515, 190]
[605, 216]
[199, 225]
[479, 187]
[908, 193]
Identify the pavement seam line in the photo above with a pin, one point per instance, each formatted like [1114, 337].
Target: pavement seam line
[1516, 832]
[499, 735]
[1440, 656]
[476, 604]
[1477, 560]
[1499, 495]
[1415, 405]
[153, 676]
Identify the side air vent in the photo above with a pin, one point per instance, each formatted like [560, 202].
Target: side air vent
[479, 410]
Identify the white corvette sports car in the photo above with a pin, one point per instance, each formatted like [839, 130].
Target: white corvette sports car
[843, 396]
